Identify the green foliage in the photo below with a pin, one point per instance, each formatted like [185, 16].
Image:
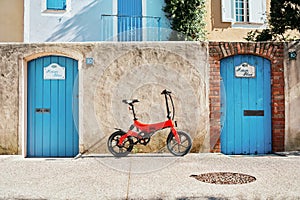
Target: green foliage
[284, 16]
[256, 36]
[186, 18]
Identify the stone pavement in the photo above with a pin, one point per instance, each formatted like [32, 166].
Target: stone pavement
[148, 176]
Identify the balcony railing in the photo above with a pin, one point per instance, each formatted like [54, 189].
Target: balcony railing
[130, 28]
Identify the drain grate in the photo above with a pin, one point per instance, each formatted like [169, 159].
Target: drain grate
[227, 178]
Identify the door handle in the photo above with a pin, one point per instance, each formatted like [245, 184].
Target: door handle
[42, 110]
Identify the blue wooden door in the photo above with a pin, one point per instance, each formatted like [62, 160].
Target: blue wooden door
[52, 107]
[246, 105]
[129, 20]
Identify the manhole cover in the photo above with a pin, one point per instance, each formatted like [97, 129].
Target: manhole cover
[224, 178]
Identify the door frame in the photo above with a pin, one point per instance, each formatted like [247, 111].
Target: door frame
[23, 96]
[266, 94]
[271, 51]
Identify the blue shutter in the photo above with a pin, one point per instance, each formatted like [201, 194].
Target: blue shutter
[56, 4]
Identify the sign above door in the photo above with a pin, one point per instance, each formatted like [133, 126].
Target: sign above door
[245, 71]
[54, 72]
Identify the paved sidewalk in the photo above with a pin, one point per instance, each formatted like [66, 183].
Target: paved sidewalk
[147, 176]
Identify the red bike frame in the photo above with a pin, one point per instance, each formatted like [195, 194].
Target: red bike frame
[148, 129]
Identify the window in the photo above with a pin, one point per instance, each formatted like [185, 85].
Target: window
[241, 11]
[244, 11]
[56, 4]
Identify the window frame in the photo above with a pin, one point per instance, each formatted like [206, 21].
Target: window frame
[256, 13]
[46, 10]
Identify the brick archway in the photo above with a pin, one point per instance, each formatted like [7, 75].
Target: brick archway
[272, 51]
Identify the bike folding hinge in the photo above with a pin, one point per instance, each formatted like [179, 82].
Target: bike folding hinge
[131, 127]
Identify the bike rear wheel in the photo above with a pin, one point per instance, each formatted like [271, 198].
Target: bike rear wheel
[179, 149]
[119, 150]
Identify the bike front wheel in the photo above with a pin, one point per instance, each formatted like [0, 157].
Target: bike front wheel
[119, 150]
[179, 149]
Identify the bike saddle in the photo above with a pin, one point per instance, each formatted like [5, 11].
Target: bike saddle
[132, 101]
[166, 92]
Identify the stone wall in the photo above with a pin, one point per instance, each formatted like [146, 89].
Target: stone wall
[292, 90]
[142, 70]
[119, 71]
[9, 99]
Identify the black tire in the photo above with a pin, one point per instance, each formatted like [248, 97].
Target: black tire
[179, 149]
[119, 151]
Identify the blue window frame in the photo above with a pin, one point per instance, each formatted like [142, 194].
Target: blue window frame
[56, 4]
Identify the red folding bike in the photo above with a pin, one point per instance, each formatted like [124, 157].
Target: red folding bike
[120, 143]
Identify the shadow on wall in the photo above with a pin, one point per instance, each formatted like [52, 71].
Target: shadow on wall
[83, 26]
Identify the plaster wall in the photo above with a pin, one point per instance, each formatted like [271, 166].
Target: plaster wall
[11, 20]
[119, 71]
[292, 91]
[82, 21]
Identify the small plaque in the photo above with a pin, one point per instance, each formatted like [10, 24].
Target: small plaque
[54, 72]
[292, 55]
[245, 71]
[89, 61]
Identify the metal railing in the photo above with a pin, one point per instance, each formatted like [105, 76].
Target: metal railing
[130, 28]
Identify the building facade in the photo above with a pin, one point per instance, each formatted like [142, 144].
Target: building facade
[231, 20]
[134, 20]
[128, 20]
[83, 21]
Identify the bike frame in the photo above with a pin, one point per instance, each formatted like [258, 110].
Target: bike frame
[150, 129]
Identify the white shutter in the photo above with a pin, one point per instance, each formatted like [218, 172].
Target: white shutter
[257, 11]
[228, 10]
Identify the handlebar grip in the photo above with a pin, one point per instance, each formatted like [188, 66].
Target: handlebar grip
[165, 91]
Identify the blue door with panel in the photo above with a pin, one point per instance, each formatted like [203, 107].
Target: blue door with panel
[129, 20]
[245, 105]
[52, 107]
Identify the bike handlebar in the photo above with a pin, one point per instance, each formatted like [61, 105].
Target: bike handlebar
[168, 93]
